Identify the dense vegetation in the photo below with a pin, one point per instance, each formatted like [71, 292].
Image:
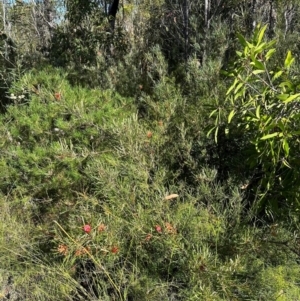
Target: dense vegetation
[150, 156]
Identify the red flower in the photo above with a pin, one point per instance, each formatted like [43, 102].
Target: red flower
[170, 228]
[114, 249]
[87, 229]
[57, 96]
[62, 249]
[82, 251]
[148, 237]
[158, 229]
[101, 228]
[149, 134]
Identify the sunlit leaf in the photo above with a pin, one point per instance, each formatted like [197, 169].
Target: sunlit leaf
[277, 75]
[292, 97]
[286, 147]
[259, 65]
[286, 163]
[239, 86]
[216, 134]
[213, 113]
[210, 131]
[230, 116]
[258, 71]
[270, 53]
[232, 86]
[261, 34]
[257, 113]
[286, 84]
[260, 48]
[288, 60]
[269, 136]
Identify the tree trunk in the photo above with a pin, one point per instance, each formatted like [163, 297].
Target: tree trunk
[112, 13]
[186, 29]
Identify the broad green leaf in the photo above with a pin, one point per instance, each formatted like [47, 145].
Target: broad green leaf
[286, 163]
[242, 40]
[227, 73]
[256, 63]
[216, 134]
[239, 86]
[271, 43]
[256, 32]
[261, 34]
[292, 97]
[286, 147]
[213, 113]
[269, 136]
[260, 48]
[277, 74]
[217, 120]
[230, 116]
[296, 133]
[267, 118]
[230, 99]
[249, 45]
[258, 71]
[270, 53]
[224, 72]
[286, 84]
[239, 94]
[288, 60]
[253, 119]
[257, 113]
[270, 126]
[281, 125]
[210, 131]
[282, 97]
[232, 86]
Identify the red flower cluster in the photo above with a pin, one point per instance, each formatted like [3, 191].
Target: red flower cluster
[149, 134]
[114, 249]
[57, 96]
[87, 228]
[101, 228]
[158, 229]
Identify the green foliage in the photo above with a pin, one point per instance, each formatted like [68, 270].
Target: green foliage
[56, 130]
[110, 188]
[161, 225]
[85, 44]
[78, 43]
[280, 283]
[263, 105]
[7, 61]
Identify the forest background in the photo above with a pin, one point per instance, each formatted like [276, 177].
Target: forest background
[150, 156]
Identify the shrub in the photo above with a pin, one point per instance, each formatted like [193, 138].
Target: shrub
[262, 105]
[107, 213]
